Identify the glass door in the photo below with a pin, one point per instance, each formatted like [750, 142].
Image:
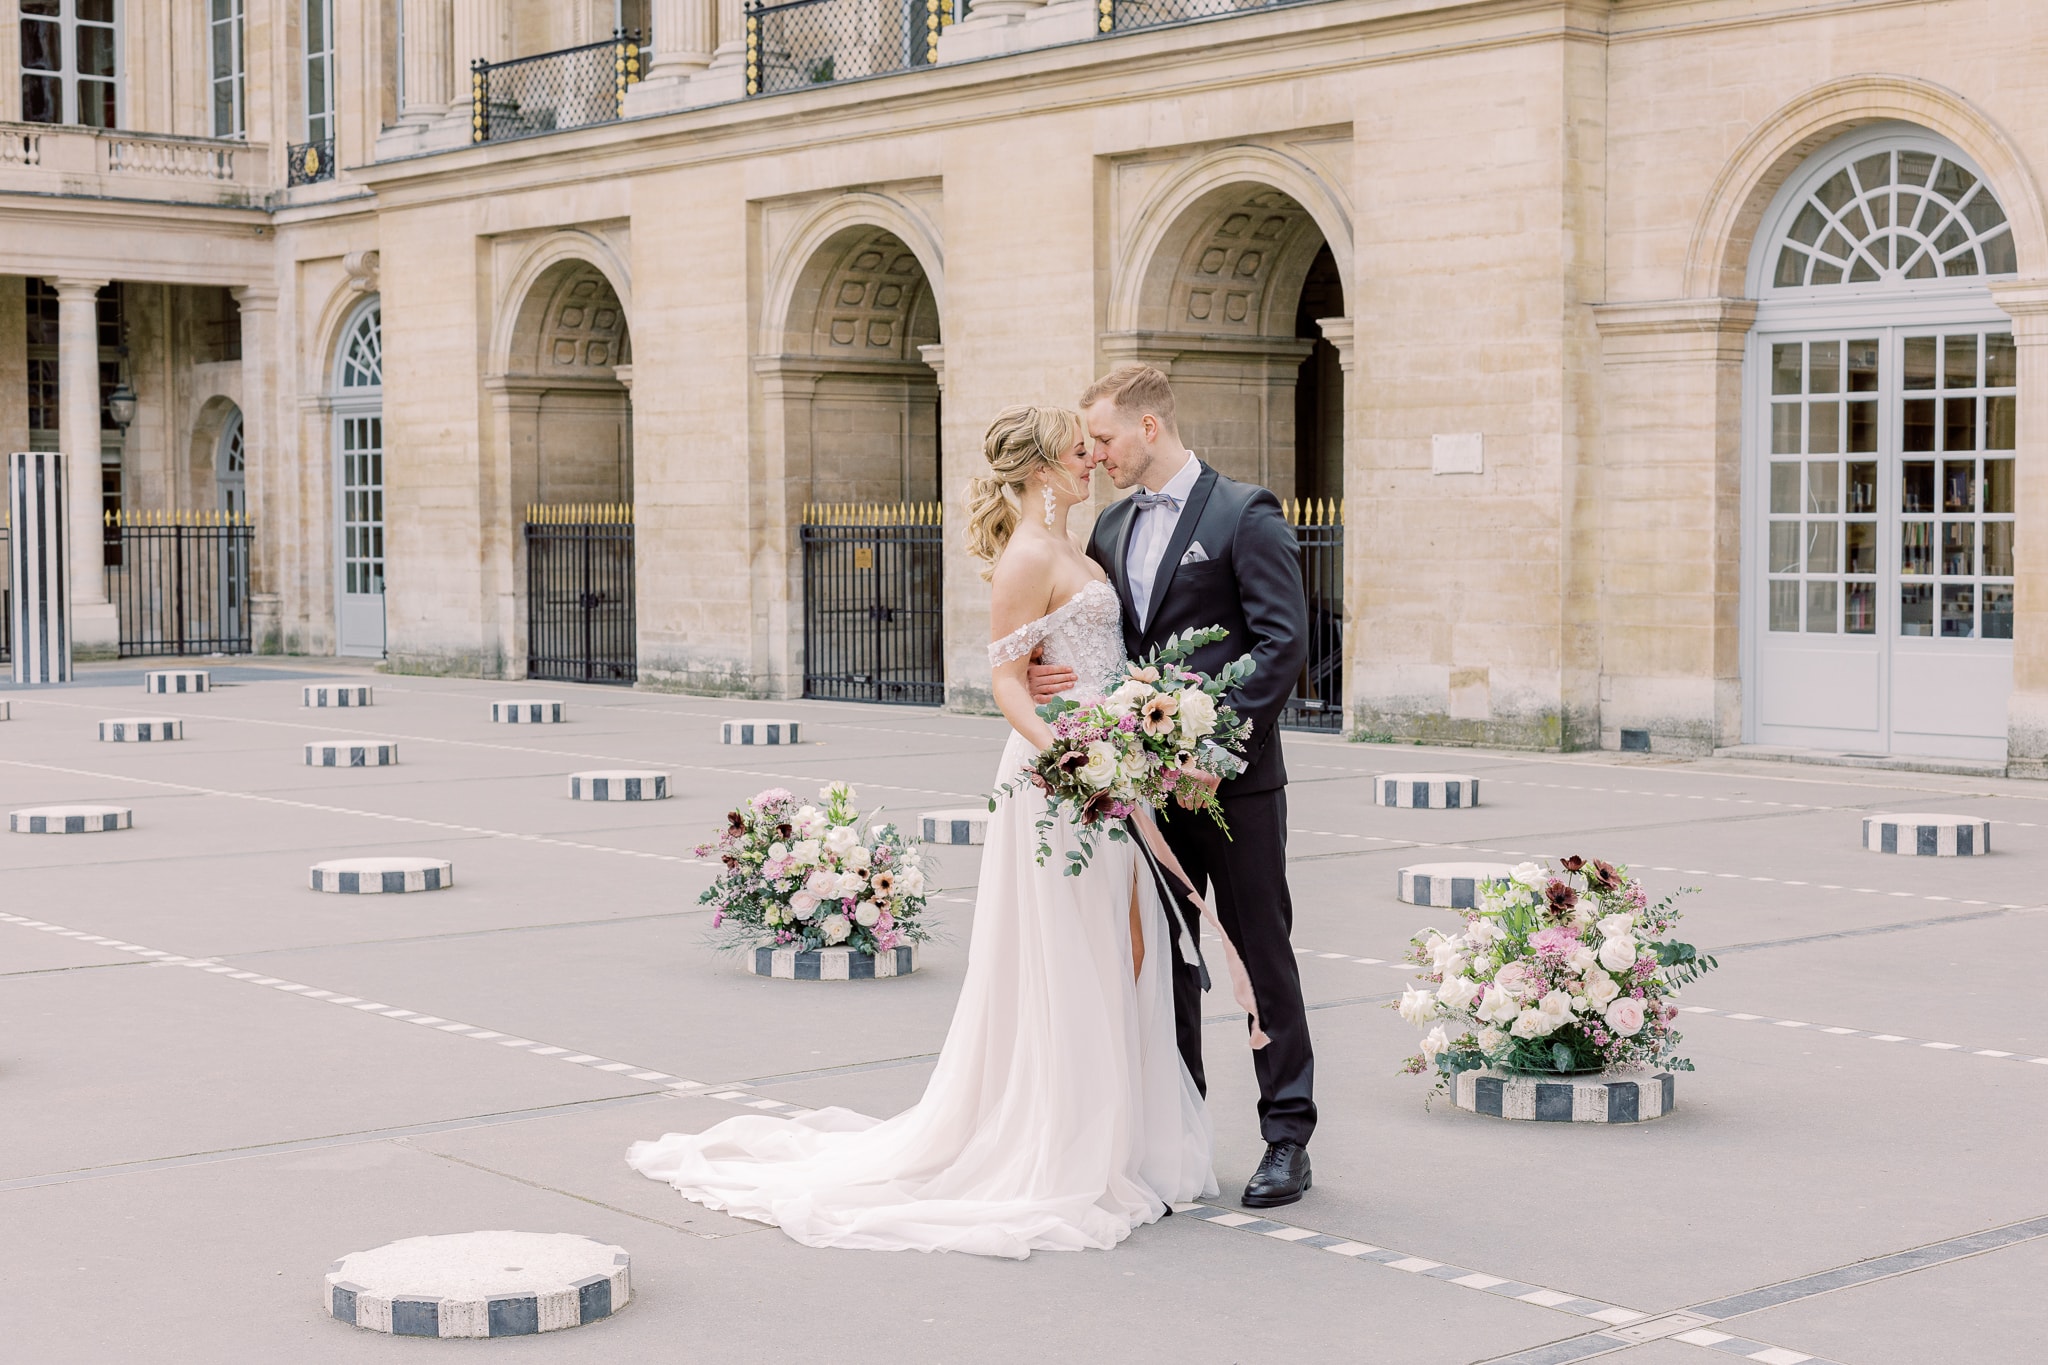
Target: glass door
[360, 514]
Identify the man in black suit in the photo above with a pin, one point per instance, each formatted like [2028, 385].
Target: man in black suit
[1191, 548]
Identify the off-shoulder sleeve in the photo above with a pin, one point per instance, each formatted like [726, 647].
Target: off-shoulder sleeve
[1019, 643]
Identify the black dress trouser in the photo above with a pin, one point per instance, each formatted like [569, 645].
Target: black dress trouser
[1247, 870]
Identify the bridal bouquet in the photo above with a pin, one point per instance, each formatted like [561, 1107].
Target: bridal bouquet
[1556, 972]
[1158, 725]
[805, 877]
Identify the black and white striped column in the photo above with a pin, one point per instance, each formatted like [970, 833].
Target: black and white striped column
[1928, 836]
[760, 732]
[70, 819]
[382, 876]
[38, 558]
[337, 694]
[351, 753]
[619, 785]
[141, 729]
[968, 826]
[1448, 886]
[169, 681]
[1426, 791]
[526, 712]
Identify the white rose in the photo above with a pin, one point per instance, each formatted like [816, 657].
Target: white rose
[1625, 1016]
[810, 822]
[777, 852]
[835, 928]
[866, 913]
[1491, 1039]
[1616, 925]
[802, 904]
[806, 852]
[1129, 697]
[1582, 960]
[1100, 769]
[1532, 1024]
[1458, 992]
[841, 840]
[910, 882]
[858, 860]
[1557, 1005]
[1433, 1042]
[1498, 1006]
[1445, 956]
[1197, 714]
[1417, 1007]
[1618, 954]
[1481, 932]
[822, 884]
[1581, 1005]
[851, 884]
[1600, 989]
[1531, 875]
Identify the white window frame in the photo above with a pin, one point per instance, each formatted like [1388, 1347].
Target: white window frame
[68, 73]
[319, 123]
[236, 77]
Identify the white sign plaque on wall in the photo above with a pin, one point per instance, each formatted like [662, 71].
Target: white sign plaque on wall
[1462, 453]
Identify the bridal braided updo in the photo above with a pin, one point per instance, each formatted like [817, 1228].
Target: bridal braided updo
[1020, 442]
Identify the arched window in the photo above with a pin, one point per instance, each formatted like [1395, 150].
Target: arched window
[231, 453]
[1892, 214]
[362, 350]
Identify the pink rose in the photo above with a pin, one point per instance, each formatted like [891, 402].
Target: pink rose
[1625, 1016]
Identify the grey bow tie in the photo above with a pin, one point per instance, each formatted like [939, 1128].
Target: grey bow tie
[1141, 501]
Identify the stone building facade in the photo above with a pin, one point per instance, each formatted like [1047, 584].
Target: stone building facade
[1674, 361]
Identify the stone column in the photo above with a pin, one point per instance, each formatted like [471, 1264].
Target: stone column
[726, 78]
[269, 479]
[475, 38]
[428, 85]
[2026, 301]
[96, 633]
[684, 32]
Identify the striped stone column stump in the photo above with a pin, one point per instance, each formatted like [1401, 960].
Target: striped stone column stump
[1927, 836]
[1447, 886]
[70, 819]
[480, 1284]
[322, 695]
[832, 964]
[760, 732]
[171, 681]
[382, 876]
[351, 753]
[526, 712]
[1566, 1099]
[38, 600]
[6, 710]
[141, 730]
[956, 826]
[1426, 791]
[618, 785]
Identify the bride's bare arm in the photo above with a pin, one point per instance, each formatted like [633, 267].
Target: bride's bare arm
[1020, 593]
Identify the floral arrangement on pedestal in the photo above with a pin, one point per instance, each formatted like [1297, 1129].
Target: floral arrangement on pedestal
[807, 877]
[1157, 726]
[1557, 972]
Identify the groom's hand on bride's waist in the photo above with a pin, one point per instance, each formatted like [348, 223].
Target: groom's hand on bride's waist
[1048, 681]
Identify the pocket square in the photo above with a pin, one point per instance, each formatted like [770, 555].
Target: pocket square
[1195, 555]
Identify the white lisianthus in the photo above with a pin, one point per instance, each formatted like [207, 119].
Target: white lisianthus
[1531, 875]
[1433, 1042]
[835, 928]
[1490, 902]
[1482, 964]
[1617, 925]
[851, 884]
[1445, 956]
[777, 852]
[858, 859]
[810, 822]
[806, 852]
[1618, 954]
[802, 904]
[1481, 932]
[838, 791]
[1532, 1024]
[1491, 1039]
[1581, 1005]
[910, 881]
[866, 913]
[1197, 714]
[1498, 1006]
[1100, 769]
[1458, 992]
[822, 884]
[1128, 697]
[1417, 1007]
[1582, 960]
[1625, 1016]
[1600, 989]
[1558, 1006]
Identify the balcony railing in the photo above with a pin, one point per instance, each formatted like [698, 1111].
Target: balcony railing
[309, 163]
[1121, 16]
[796, 44]
[60, 159]
[553, 91]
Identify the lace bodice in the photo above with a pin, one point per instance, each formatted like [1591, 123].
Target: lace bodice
[1085, 634]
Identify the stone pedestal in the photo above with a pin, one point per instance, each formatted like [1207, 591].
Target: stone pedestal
[1566, 1099]
[831, 964]
[480, 1284]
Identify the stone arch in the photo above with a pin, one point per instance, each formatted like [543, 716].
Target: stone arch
[823, 251]
[208, 426]
[564, 382]
[521, 307]
[1233, 282]
[1724, 238]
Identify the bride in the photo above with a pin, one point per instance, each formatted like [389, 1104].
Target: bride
[1059, 1116]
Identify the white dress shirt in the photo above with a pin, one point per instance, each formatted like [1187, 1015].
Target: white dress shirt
[1151, 529]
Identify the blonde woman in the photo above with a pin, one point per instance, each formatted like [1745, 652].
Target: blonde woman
[1060, 1115]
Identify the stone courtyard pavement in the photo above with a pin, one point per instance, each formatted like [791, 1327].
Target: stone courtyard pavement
[215, 1081]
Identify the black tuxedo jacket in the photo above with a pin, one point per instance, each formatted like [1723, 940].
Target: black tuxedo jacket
[1250, 584]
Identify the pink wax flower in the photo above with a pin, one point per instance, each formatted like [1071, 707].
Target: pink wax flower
[773, 796]
[1127, 724]
[884, 923]
[1555, 942]
[717, 918]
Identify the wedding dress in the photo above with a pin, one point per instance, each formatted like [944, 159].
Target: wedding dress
[1059, 1116]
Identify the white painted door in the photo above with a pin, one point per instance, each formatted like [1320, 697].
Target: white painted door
[359, 534]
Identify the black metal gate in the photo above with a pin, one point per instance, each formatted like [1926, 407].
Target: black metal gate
[873, 609]
[579, 594]
[1318, 700]
[179, 581]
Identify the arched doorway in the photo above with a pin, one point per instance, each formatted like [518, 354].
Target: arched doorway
[855, 406]
[230, 473]
[1242, 304]
[566, 404]
[1879, 455]
[357, 402]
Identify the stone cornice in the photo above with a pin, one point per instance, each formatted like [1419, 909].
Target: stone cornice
[1670, 317]
[2021, 298]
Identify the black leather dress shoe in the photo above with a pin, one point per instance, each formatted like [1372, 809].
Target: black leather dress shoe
[1282, 1177]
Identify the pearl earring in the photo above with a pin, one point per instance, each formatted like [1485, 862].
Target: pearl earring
[1051, 506]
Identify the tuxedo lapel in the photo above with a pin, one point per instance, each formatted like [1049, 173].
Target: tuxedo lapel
[1119, 564]
[1183, 536]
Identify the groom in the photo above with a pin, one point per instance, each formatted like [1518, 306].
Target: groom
[1189, 549]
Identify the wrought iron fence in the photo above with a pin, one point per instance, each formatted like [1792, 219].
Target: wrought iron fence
[796, 44]
[308, 163]
[179, 581]
[579, 594]
[553, 91]
[873, 605]
[1120, 16]
[1318, 700]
